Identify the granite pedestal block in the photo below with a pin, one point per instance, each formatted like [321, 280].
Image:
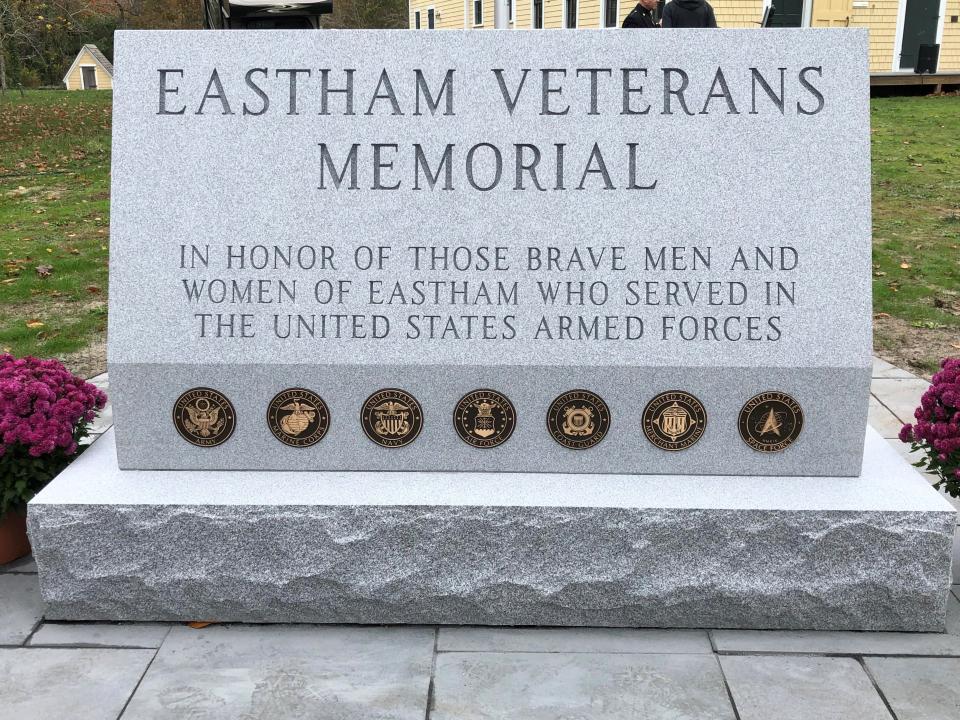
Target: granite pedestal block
[864, 553]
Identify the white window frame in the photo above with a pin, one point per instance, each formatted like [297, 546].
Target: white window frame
[603, 15]
[434, 9]
[473, 13]
[83, 83]
[533, 16]
[898, 38]
[512, 10]
[575, 19]
[416, 20]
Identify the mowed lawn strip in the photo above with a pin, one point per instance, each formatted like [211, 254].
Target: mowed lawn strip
[54, 220]
[54, 211]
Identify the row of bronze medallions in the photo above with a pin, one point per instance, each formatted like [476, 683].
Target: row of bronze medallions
[578, 419]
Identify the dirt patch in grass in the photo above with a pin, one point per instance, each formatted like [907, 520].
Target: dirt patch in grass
[916, 349]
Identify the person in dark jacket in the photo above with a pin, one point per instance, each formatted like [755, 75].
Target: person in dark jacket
[642, 15]
[688, 14]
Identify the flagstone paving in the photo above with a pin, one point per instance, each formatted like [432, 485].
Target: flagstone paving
[156, 671]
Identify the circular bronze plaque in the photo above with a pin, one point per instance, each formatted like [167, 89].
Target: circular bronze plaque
[484, 418]
[674, 420]
[204, 417]
[578, 419]
[392, 418]
[298, 417]
[770, 421]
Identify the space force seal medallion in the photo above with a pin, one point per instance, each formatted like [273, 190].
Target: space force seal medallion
[392, 418]
[204, 417]
[484, 418]
[578, 419]
[770, 422]
[674, 420]
[298, 417]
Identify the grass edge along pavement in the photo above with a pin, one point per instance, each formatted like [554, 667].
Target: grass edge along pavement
[54, 220]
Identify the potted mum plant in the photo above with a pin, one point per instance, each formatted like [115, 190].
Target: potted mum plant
[44, 413]
[937, 429]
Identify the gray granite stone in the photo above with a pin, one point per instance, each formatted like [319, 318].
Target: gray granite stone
[23, 565]
[572, 640]
[131, 635]
[20, 607]
[801, 688]
[507, 686]
[901, 396]
[266, 190]
[50, 684]
[919, 688]
[496, 549]
[226, 673]
[845, 643]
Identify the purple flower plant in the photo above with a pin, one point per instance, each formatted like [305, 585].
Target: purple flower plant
[937, 427]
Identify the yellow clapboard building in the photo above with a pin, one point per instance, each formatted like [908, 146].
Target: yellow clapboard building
[897, 27]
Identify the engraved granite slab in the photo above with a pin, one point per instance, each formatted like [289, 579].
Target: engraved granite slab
[528, 212]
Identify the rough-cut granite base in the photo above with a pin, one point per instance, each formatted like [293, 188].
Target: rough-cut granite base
[865, 553]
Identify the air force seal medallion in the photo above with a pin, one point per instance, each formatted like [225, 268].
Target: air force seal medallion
[674, 420]
[770, 421]
[204, 417]
[392, 418]
[578, 419]
[484, 418]
[298, 417]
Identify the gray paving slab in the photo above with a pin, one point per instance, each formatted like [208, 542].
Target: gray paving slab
[919, 688]
[20, 607]
[23, 565]
[765, 687]
[572, 640]
[76, 684]
[103, 421]
[132, 635]
[290, 672]
[901, 396]
[884, 369]
[882, 420]
[845, 643]
[534, 686]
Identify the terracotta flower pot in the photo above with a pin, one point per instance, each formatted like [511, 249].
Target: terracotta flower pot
[14, 543]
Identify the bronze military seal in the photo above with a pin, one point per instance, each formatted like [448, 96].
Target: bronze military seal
[578, 419]
[771, 421]
[391, 418]
[484, 418]
[204, 417]
[298, 417]
[674, 420]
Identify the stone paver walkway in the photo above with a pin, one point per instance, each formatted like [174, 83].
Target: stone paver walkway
[155, 671]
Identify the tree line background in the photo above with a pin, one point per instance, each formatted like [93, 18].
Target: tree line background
[40, 39]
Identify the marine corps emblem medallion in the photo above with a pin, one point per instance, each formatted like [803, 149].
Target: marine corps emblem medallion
[578, 419]
[674, 420]
[770, 422]
[204, 417]
[484, 418]
[392, 418]
[298, 417]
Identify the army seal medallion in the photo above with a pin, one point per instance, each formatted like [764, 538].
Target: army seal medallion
[484, 418]
[674, 420]
[391, 418]
[298, 417]
[578, 419]
[770, 422]
[204, 417]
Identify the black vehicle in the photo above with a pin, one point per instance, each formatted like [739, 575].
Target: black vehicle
[264, 15]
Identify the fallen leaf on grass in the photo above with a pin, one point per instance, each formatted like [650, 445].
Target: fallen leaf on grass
[199, 625]
[8, 281]
[44, 270]
[904, 266]
[93, 289]
[882, 315]
[34, 324]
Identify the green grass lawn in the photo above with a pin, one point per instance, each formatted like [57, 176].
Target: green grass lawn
[54, 215]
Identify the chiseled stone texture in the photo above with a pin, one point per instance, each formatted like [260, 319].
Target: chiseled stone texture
[867, 553]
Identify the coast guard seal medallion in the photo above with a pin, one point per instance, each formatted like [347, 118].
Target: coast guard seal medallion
[674, 420]
[392, 418]
[298, 417]
[204, 417]
[484, 418]
[578, 419]
[770, 421]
